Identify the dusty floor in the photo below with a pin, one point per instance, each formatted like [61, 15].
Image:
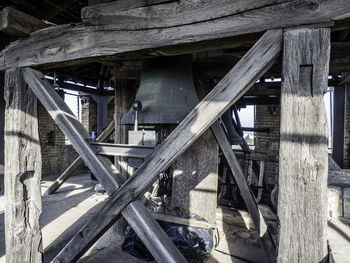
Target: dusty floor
[66, 211]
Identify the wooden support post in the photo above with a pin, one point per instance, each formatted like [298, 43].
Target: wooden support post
[124, 95]
[243, 76]
[22, 172]
[2, 124]
[195, 178]
[303, 169]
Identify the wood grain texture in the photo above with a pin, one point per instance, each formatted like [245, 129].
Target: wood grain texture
[172, 14]
[93, 9]
[243, 76]
[22, 172]
[19, 24]
[195, 178]
[303, 168]
[76, 43]
[152, 235]
[125, 92]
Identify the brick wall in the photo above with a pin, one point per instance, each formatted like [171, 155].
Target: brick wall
[88, 112]
[268, 116]
[52, 142]
[347, 136]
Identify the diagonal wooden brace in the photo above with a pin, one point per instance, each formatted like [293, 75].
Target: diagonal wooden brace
[148, 230]
[77, 163]
[243, 75]
[253, 209]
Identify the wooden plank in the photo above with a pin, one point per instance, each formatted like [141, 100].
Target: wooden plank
[19, 24]
[2, 125]
[124, 150]
[302, 199]
[243, 76]
[22, 172]
[78, 163]
[154, 238]
[121, 5]
[85, 41]
[172, 14]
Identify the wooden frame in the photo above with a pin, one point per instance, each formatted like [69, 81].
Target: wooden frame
[86, 42]
[250, 68]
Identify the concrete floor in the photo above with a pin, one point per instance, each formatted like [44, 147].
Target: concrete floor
[67, 211]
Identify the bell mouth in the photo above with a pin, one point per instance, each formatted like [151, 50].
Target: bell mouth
[166, 91]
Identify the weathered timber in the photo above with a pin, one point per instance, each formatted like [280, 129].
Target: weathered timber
[2, 125]
[243, 76]
[149, 231]
[19, 24]
[22, 172]
[85, 41]
[78, 163]
[125, 92]
[195, 177]
[93, 10]
[172, 14]
[125, 150]
[188, 12]
[302, 201]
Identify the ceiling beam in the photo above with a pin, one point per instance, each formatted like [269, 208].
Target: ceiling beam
[75, 42]
[19, 24]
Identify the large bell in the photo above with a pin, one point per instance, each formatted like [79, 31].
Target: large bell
[166, 91]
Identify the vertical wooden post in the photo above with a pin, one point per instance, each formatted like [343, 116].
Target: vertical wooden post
[2, 124]
[124, 96]
[22, 172]
[196, 176]
[302, 202]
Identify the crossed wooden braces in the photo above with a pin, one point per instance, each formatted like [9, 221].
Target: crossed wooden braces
[124, 195]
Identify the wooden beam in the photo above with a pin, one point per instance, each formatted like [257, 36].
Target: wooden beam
[187, 13]
[303, 154]
[2, 126]
[152, 235]
[85, 41]
[172, 14]
[78, 163]
[22, 172]
[124, 150]
[243, 76]
[19, 24]
[120, 5]
[125, 91]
